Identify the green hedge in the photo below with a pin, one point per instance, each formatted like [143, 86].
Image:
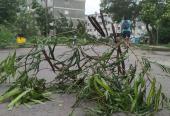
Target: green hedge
[6, 37]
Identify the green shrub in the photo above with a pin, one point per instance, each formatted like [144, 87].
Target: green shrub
[6, 37]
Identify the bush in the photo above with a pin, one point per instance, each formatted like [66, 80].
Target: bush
[164, 31]
[26, 24]
[164, 36]
[6, 37]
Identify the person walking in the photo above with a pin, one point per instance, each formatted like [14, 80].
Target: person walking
[126, 27]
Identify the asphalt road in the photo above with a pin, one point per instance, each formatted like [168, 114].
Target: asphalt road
[63, 102]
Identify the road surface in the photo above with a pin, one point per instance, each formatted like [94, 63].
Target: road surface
[63, 102]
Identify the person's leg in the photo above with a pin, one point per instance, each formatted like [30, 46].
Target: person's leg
[127, 41]
[124, 38]
[128, 38]
[118, 37]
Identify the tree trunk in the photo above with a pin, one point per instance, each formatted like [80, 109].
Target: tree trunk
[154, 31]
[151, 35]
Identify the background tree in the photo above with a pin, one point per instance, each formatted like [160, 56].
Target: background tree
[151, 14]
[148, 15]
[25, 21]
[8, 11]
[62, 24]
[26, 24]
[43, 17]
[164, 28]
[121, 8]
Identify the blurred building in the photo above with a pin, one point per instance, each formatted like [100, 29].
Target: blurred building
[140, 29]
[44, 3]
[74, 9]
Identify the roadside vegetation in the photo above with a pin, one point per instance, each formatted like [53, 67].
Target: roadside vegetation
[113, 85]
[101, 78]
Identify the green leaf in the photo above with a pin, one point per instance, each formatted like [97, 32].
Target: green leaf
[151, 93]
[10, 93]
[13, 102]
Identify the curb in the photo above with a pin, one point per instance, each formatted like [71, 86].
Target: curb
[156, 49]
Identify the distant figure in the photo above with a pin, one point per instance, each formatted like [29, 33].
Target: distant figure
[20, 39]
[126, 26]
